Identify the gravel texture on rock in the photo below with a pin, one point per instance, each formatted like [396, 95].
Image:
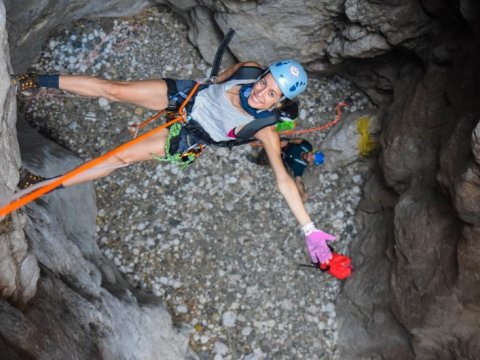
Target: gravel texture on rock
[217, 242]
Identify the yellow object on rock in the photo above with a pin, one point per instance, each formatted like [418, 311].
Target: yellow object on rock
[366, 143]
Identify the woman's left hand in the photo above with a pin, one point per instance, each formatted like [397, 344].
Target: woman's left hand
[317, 246]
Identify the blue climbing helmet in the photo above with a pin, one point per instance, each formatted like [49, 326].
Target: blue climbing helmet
[318, 158]
[290, 77]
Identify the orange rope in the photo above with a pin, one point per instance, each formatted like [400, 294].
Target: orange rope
[14, 205]
[338, 117]
[137, 127]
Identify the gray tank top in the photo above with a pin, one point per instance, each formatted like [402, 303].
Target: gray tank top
[216, 114]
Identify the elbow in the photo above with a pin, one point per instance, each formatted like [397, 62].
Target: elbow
[111, 90]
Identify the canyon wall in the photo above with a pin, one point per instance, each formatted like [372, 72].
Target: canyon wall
[413, 293]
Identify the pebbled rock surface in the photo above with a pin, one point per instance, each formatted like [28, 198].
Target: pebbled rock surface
[30, 22]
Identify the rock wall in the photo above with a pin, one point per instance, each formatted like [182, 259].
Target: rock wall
[413, 293]
[420, 213]
[18, 269]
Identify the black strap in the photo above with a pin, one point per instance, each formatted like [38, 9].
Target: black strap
[247, 73]
[171, 92]
[194, 128]
[249, 130]
[217, 61]
[171, 86]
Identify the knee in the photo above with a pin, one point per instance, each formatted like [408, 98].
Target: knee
[123, 159]
[112, 90]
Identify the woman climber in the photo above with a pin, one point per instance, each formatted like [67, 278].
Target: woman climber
[225, 110]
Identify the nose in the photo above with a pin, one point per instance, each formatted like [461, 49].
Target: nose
[261, 91]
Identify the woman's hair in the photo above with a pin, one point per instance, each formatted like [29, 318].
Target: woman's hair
[288, 108]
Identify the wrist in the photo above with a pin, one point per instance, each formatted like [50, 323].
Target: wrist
[308, 228]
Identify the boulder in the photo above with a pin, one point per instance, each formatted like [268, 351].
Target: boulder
[353, 138]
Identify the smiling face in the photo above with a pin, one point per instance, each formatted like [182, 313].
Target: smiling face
[265, 93]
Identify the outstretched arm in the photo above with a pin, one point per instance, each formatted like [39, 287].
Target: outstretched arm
[315, 239]
[286, 185]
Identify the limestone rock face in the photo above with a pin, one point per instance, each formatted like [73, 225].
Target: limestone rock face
[323, 33]
[70, 309]
[429, 162]
[19, 270]
[315, 33]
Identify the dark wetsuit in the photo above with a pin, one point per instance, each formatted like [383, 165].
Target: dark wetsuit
[292, 157]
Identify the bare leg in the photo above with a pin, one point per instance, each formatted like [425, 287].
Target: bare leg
[141, 151]
[151, 94]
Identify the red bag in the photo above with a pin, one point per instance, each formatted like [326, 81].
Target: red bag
[340, 266]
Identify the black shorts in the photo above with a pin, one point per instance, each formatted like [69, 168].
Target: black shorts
[178, 91]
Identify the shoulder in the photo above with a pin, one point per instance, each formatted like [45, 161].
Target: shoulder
[269, 138]
[267, 133]
[302, 143]
[249, 64]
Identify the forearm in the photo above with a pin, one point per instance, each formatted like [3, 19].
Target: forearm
[290, 193]
[301, 188]
[285, 184]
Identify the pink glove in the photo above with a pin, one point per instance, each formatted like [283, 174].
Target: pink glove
[317, 244]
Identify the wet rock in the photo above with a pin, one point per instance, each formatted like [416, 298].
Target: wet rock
[435, 217]
[476, 143]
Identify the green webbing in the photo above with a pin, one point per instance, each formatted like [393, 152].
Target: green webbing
[181, 161]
